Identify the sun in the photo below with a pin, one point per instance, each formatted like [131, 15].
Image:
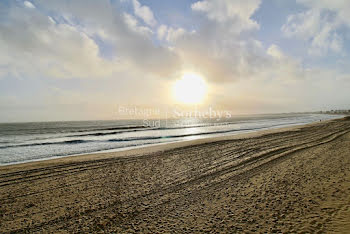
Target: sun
[190, 89]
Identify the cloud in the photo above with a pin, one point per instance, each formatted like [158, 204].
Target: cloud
[219, 60]
[169, 34]
[68, 42]
[221, 49]
[29, 4]
[63, 44]
[303, 25]
[275, 52]
[103, 53]
[162, 32]
[32, 43]
[320, 25]
[144, 13]
[66, 46]
[281, 67]
[133, 24]
[234, 14]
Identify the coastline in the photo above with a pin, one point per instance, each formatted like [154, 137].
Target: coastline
[152, 148]
[286, 180]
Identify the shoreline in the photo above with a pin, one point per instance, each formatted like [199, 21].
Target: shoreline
[153, 148]
[288, 180]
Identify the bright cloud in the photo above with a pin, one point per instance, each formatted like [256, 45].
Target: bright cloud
[125, 51]
[28, 4]
[62, 48]
[320, 25]
[48, 48]
[169, 34]
[133, 24]
[144, 13]
[236, 14]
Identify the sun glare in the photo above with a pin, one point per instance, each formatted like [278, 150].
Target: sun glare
[190, 89]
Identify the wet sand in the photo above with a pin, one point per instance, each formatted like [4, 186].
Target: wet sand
[290, 180]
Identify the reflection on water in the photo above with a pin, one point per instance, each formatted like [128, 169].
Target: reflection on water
[34, 141]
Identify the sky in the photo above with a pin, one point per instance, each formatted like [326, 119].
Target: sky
[82, 59]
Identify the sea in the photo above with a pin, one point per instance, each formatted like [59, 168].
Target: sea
[24, 142]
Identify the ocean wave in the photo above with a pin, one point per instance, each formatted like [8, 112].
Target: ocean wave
[153, 129]
[180, 135]
[106, 133]
[113, 128]
[146, 138]
[200, 133]
[46, 143]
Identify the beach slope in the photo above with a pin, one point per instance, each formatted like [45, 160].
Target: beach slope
[287, 181]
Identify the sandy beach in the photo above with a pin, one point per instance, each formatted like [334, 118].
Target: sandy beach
[288, 180]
